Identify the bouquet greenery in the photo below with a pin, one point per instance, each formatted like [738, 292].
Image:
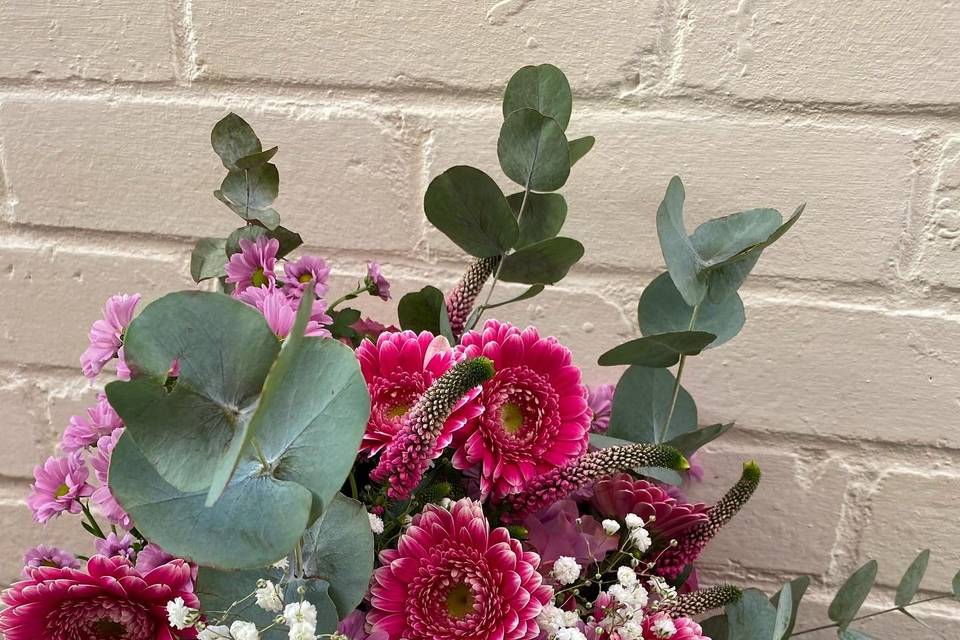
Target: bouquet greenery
[271, 464]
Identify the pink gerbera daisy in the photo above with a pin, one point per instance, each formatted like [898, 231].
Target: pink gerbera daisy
[102, 496]
[110, 599]
[621, 494]
[84, 431]
[305, 270]
[106, 334]
[535, 409]
[253, 265]
[59, 485]
[451, 577]
[44, 556]
[280, 311]
[660, 626]
[398, 369]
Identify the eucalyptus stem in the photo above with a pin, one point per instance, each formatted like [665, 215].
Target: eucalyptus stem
[347, 296]
[298, 558]
[263, 459]
[94, 525]
[871, 615]
[658, 437]
[353, 487]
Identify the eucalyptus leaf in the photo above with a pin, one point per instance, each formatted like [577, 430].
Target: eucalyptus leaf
[533, 151]
[716, 627]
[720, 239]
[269, 218]
[232, 139]
[420, 310]
[641, 403]
[662, 350]
[535, 290]
[663, 310]
[851, 596]
[910, 583]
[288, 240]
[250, 192]
[682, 260]
[469, 208]
[798, 588]
[688, 443]
[545, 262]
[208, 259]
[956, 585]
[604, 441]
[580, 147]
[853, 634]
[256, 159]
[542, 88]
[543, 216]
[784, 620]
[752, 617]
[666, 476]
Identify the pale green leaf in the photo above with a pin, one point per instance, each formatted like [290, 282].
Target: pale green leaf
[910, 582]
[851, 596]
[682, 260]
[663, 310]
[232, 138]
[662, 350]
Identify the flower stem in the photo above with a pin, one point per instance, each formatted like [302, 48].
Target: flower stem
[94, 525]
[659, 437]
[871, 615]
[347, 296]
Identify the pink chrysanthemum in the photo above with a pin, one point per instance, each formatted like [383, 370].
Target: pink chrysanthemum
[600, 401]
[376, 284]
[151, 557]
[354, 627]
[305, 270]
[84, 431]
[44, 556]
[621, 494]
[685, 628]
[451, 578]
[59, 485]
[560, 530]
[114, 545]
[102, 496]
[108, 600]
[106, 334]
[253, 265]
[535, 409]
[280, 311]
[398, 369]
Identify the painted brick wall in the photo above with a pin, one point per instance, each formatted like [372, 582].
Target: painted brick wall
[845, 380]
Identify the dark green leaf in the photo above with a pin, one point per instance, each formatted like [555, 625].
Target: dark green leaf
[716, 627]
[545, 262]
[663, 350]
[663, 310]
[752, 618]
[603, 441]
[232, 138]
[580, 147]
[543, 88]
[443, 324]
[688, 443]
[910, 582]
[208, 259]
[250, 192]
[257, 159]
[682, 260]
[468, 206]
[798, 587]
[641, 404]
[526, 295]
[288, 239]
[851, 596]
[543, 216]
[420, 311]
[533, 151]
[666, 476]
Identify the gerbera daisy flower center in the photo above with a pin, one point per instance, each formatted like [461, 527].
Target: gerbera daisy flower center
[106, 628]
[511, 417]
[460, 601]
[398, 411]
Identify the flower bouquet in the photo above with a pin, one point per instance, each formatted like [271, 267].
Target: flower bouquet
[269, 463]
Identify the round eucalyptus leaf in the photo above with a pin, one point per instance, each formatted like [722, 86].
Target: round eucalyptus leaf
[208, 259]
[543, 216]
[662, 350]
[288, 239]
[542, 88]
[752, 618]
[663, 310]
[682, 260]
[545, 262]
[533, 151]
[420, 310]
[641, 404]
[232, 139]
[580, 147]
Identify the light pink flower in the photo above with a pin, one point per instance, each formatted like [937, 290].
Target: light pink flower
[371, 329]
[354, 627]
[535, 409]
[44, 556]
[451, 577]
[600, 401]
[106, 334]
[84, 431]
[253, 265]
[114, 545]
[151, 557]
[280, 311]
[110, 599]
[686, 629]
[377, 285]
[59, 485]
[560, 530]
[102, 496]
[305, 270]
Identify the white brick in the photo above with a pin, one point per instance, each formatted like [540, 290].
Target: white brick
[97, 39]
[938, 251]
[20, 533]
[863, 52]
[24, 430]
[344, 180]
[610, 43]
[849, 231]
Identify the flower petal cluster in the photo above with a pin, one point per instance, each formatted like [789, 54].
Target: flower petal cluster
[44, 556]
[106, 334]
[600, 401]
[84, 431]
[59, 483]
[621, 495]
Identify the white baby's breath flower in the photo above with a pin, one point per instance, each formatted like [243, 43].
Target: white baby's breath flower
[640, 539]
[634, 598]
[627, 577]
[551, 619]
[244, 631]
[376, 524]
[302, 631]
[180, 615]
[633, 521]
[446, 503]
[566, 570]
[631, 630]
[300, 613]
[268, 597]
[611, 527]
[570, 618]
[570, 634]
[217, 632]
[663, 627]
[283, 564]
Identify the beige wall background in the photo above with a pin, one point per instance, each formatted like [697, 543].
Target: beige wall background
[845, 382]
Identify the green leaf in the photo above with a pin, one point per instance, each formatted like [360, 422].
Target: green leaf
[641, 403]
[250, 192]
[603, 441]
[468, 207]
[232, 138]
[535, 290]
[663, 310]
[682, 260]
[910, 583]
[543, 216]
[208, 259]
[420, 310]
[443, 324]
[752, 618]
[956, 585]
[546, 262]
[851, 596]
[853, 634]
[666, 476]
[288, 239]
[798, 587]
[257, 159]
[688, 443]
[663, 350]
[580, 147]
[533, 151]
[542, 88]
[716, 627]
[784, 619]
[339, 548]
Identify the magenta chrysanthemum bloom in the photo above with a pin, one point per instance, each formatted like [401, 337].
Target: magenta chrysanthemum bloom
[114, 545]
[398, 369]
[621, 494]
[452, 578]
[253, 265]
[305, 270]
[685, 628]
[280, 311]
[151, 557]
[102, 496]
[376, 284]
[44, 556]
[106, 334]
[108, 600]
[59, 485]
[84, 431]
[535, 409]
[600, 401]
[354, 627]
